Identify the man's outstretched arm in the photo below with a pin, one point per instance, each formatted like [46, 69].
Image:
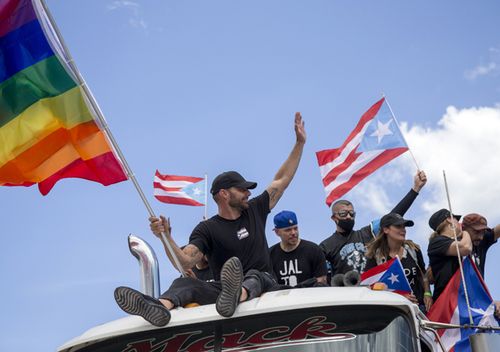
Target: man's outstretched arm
[287, 171]
[404, 204]
[188, 257]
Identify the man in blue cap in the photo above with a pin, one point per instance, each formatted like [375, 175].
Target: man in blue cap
[296, 262]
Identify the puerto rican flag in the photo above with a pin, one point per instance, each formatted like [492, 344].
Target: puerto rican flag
[375, 141]
[451, 308]
[185, 190]
[390, 273]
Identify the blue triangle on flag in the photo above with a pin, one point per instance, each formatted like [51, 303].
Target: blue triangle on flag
[196, 191]
[382, 133]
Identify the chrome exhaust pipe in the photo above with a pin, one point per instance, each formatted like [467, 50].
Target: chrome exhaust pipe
[148, 264]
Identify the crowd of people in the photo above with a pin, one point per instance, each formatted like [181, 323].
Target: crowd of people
[228, 260]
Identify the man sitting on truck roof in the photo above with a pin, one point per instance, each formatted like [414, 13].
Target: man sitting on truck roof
[234, 241]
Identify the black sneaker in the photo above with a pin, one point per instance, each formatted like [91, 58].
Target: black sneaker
[231, 277]
[136, 303]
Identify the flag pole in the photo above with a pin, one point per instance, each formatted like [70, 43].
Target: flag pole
[397, 124]
[206, 197]
[98, 113]
[458, 250]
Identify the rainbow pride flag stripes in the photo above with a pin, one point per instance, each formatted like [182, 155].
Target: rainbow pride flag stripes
[47, 130]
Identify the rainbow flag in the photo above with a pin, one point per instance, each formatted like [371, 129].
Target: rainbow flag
[47, 127]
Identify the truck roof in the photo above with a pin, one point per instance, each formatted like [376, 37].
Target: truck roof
[277, 301]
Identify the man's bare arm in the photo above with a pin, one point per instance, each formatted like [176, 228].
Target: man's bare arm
[287, 171]
[188, 257]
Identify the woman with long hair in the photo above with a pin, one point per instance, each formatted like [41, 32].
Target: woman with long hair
[391, 242]
[442, 250]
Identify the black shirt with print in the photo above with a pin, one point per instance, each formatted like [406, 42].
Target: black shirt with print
[346, 252]
[414, 271]
[220, 239]
[304, 262]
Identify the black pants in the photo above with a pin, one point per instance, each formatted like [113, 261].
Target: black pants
[185, 290]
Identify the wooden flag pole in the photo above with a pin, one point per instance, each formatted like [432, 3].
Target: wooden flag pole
[99, 115]
[459, 257]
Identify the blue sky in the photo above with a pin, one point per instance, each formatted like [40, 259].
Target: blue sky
[195, 87]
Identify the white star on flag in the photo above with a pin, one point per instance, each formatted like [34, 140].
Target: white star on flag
[382, 130]
[196, 191]
[394, 278]
[487, 316]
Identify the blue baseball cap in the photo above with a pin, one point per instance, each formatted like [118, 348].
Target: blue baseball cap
[284, 219]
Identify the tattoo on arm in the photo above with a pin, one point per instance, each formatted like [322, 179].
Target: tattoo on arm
[193, 253]
[274, 196]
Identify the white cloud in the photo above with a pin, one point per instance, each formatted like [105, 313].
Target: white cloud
[492, 66]
[481, 70]
[122, 3]
[136, 20]
[466, 144]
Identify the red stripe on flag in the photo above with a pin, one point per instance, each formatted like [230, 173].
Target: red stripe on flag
[442, 310]
[326, 156]
[367, 116]
[176, 200]
[377, 270]
[168, 189]
[178, 178]
[366, 170]
[333, 173]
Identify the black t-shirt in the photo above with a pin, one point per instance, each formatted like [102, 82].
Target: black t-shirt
[479, 251]
[220, 239]
[443, 266]
[347, 252]
[304, 262]
[414, 270]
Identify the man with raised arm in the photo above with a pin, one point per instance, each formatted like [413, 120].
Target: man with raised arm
[234, 242]
[345, 249]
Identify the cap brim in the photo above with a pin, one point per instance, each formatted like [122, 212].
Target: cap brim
[458, 217]
[480, 227]
[248, 185]
[406, 223]
[409, 223]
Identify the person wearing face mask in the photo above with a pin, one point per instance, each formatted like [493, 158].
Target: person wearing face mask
[345, 249]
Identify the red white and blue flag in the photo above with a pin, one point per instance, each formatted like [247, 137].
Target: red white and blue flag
[375, 141]
[451, 308]
[185, 190]
[391, 273]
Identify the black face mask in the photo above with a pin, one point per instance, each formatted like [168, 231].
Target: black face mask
[346, 224]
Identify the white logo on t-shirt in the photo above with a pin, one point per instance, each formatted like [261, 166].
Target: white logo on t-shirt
[290, 267]
[242, 233]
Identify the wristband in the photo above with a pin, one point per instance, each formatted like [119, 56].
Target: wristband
[427, 294]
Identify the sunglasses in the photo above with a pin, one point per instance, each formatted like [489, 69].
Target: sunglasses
[344, 213]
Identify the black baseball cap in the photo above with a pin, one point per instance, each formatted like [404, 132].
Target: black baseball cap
[439, 216]
[230, 179]
[394, 219]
